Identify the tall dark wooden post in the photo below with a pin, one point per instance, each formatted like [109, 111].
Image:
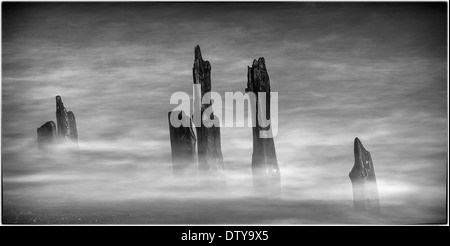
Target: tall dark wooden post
[67, 128]
[362, 176]
[210, 159]
[266, 174]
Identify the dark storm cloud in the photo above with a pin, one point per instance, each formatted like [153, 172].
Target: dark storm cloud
[371, 70]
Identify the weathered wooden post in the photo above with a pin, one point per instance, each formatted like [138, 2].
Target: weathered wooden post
[46, 134]
[182, 142]
[210, 159]
[362, 176]
[266, 174]
[72, 126]
[67, 128]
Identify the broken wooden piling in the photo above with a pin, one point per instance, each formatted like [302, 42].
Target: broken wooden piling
[210, 159]
[362, 176]
[67, 128]
[46, 134]
[266, 173]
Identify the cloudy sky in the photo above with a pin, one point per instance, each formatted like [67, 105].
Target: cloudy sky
[377, 71]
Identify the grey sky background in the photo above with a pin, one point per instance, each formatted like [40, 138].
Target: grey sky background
[377, 71]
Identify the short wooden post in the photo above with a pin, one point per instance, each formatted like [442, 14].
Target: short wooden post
[182, 142]
[362, 176]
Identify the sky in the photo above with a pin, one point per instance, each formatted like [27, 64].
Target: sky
[376, 71]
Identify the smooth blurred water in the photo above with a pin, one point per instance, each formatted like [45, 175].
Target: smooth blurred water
[61, 187]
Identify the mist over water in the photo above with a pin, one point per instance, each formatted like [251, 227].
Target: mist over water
[110, 183]
[342, 70]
